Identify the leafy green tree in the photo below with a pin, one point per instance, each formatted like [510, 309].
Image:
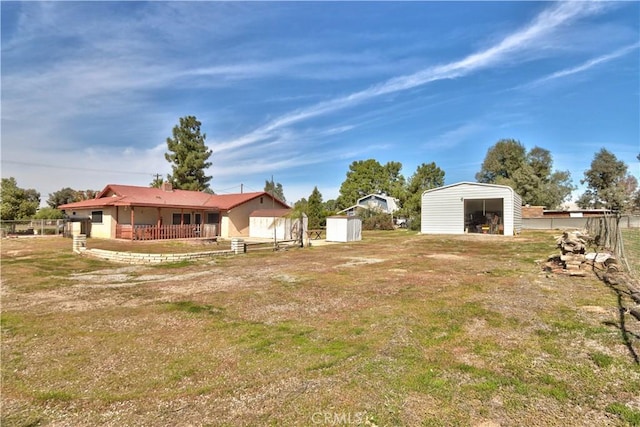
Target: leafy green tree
[49, 213]
[501, 161]
[275, 189]
[530, 174]
[426, 177]
[62, 197]
[17, 203]
[86, 195]
[609, 185]
[315, 209]
[370, 177]
[69, 195]
[188, 155]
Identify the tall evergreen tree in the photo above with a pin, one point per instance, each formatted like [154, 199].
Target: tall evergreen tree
[275, 189]
[315, 209]
[188, 155]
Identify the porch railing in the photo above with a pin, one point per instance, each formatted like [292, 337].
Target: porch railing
[164, 232]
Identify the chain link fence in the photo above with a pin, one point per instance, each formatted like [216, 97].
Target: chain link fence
[32, 227]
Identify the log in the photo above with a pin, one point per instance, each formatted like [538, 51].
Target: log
[577, 273]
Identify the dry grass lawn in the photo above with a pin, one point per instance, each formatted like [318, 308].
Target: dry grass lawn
[398, 329]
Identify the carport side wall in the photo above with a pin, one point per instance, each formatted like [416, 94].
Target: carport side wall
[517, 214]
[442, 212]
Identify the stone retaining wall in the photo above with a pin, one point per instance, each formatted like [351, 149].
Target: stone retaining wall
[138, 258]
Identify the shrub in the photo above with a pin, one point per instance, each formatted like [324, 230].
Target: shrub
[377, 221]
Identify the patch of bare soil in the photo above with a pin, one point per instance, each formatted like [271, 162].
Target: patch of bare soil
[449, 257]
[358, 261]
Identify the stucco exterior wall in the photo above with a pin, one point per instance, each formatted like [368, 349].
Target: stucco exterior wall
[102, 230]
[237, 224]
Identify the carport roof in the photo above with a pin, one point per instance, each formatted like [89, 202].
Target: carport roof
[478, 184]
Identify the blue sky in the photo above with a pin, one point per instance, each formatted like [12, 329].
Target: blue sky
[300, 90]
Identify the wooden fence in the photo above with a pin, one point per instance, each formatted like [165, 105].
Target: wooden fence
[165, 232]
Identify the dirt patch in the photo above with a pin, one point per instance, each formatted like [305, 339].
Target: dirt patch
[357, 261]
[449, 257]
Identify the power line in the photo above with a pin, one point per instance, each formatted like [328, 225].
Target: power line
[77, 168]
[43, 165]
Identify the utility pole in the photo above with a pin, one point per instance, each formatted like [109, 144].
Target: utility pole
[273, 206]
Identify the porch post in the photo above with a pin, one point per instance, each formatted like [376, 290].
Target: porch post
[133, 223]
[159, 224]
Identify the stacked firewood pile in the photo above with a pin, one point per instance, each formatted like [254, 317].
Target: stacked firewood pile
[574, 258]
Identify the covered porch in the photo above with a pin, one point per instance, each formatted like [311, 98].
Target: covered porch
[163, 223]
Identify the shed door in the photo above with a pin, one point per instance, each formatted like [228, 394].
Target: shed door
[484, 216]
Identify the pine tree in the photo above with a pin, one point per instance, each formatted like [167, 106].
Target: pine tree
[315, 209]
[188, 155]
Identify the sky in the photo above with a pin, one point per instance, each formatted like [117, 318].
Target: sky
[298, 91]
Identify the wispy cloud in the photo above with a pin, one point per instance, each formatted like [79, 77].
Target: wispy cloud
[515, 44]
[584, 66]
[456, 136]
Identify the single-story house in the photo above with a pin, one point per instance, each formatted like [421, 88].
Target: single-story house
[373, 202]
[145, 213]
[471, 207]
[276, 223]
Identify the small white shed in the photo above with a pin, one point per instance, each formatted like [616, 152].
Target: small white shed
[270, 223]
[471, 207]
[344, 228]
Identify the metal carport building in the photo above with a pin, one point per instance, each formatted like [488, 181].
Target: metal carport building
[471, 207]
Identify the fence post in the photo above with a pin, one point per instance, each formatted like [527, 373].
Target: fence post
[79, 243]
[238, 246]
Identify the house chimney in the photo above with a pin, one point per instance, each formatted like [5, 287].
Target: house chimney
[166, 186]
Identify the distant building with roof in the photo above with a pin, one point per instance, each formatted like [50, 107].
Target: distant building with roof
[373, 202]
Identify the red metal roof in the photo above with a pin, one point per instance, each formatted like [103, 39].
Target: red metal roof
[129, 195]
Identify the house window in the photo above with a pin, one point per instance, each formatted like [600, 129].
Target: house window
[96, 217]
[177, 219]
[261, 200]
[213, 218]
